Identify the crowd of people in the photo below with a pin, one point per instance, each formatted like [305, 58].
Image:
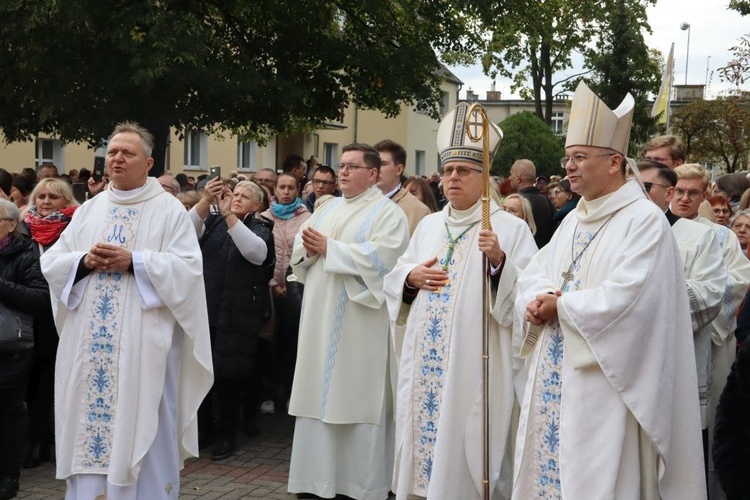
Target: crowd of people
[169, 311]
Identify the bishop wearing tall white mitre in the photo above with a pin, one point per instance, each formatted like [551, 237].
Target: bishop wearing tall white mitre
[434, 296]
[610, 407]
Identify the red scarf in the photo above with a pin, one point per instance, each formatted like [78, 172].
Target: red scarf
[46, 230]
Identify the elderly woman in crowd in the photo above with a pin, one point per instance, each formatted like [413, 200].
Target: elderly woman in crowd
[238, 255]
[51, 207]
[517, 205]
[721, 208]
[423, 192]
[288, 213]
[22, 288]
[741, 227]
[565, 201]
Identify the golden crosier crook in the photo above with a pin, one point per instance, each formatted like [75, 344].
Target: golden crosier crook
[472, 122]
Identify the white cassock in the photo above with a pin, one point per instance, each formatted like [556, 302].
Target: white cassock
[134, 360]
[439, 400]
[706, 276]
[341, 395]
[722, 330]
[611, 403]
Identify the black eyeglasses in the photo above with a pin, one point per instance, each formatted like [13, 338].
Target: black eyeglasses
[649, 185]
[321, 181]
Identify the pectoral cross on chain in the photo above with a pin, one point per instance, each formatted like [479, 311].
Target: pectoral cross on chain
[567, 277]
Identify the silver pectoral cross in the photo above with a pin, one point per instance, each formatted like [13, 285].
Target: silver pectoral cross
[567, 277]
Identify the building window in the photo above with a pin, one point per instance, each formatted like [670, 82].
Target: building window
[195, 143]
[419, 159]
[557, 122]
[247, 156]
[444, 103]
[49, 151]
[330, 154]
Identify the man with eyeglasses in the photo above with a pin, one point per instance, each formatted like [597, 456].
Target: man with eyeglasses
[324, 184]
[705, 276]
[266, 177]
[434, 297]
[392, 165]
[341, 394]
[690, 192]
[670, 150]
[609, 408]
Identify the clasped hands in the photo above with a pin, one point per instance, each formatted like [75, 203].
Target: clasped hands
[543, 308]
[104, 257]
[314, 242]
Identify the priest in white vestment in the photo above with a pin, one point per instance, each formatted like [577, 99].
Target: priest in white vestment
[690, 193]
[705, 272]
[134, 360]
[436, 290]
[611, 402]
[342, 395]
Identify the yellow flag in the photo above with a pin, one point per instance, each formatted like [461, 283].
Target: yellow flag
[662, 100]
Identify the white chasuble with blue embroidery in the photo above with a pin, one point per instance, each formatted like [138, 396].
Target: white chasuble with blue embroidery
[101, 343]
[439, 399]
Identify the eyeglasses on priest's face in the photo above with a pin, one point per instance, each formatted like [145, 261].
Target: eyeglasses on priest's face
[346, 167]
[461, 170]
[649, 185]
[579, 157]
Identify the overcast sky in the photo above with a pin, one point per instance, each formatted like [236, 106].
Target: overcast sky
[713, 31]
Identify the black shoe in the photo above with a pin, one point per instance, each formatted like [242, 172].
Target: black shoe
[38, 453]
[8, 487]
[205, 439]
[223, 448]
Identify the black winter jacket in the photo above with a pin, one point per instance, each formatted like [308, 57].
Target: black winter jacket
[22, 287]
[239, 301]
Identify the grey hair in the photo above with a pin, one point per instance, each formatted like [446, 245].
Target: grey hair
[745, 212]
[10, 211]
[136, 128]
[253, 188]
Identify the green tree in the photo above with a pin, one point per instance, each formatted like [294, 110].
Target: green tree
[717, 130]
[75, 68]
[537, 39]
[622, 63]
[525, 135]
[737, 71]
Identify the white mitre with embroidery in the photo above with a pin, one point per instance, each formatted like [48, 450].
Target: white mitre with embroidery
[592, 123]
[453, 142]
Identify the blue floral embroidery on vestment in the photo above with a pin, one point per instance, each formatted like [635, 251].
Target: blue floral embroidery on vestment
[333, 347]
[102, 350]
[431, 353]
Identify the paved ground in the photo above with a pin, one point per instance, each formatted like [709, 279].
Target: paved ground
[258, 469]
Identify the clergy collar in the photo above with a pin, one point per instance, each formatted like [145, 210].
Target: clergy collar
[456, 217]
[594, 210]
[392, 193]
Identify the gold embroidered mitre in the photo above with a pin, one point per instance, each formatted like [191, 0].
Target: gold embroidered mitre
[592, 123]
[453, 142]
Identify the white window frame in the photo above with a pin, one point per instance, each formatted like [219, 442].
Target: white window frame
[331, 154]
[557, 123]
[420, 160]
[57, 158]
[247, 156]
[190, 163]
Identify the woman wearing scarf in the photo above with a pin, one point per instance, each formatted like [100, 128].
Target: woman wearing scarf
[51, 207]
[288, 213]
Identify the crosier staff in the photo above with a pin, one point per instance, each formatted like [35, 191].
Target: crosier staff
[475, 133]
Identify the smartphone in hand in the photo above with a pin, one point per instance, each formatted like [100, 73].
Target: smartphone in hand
[214, 172]
[98, 172]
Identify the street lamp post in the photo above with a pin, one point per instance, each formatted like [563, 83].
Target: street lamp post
[686, 26]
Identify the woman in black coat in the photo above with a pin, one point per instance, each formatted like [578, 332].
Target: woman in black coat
[23, 288]
[238, 259]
